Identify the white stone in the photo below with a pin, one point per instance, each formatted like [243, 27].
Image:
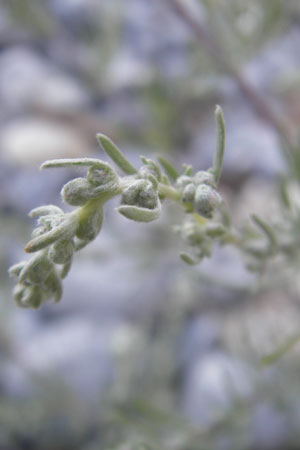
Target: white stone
[31, 141]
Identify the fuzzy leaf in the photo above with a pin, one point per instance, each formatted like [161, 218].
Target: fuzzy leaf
[115, 154]
[66, 228]
[220, 144]
[188, 259]
[170, 170]
[139, 214]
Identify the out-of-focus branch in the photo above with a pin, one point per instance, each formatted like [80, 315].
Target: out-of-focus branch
[214, 50]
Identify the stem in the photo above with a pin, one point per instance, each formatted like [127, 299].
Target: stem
[169, 192]
[93, 204]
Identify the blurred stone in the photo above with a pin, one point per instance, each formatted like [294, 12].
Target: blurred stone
[125, 71]
[25, 189]
[82, 352]
[213, 385]
[264, 326]
[30, 141]
[278, 57]
[200, 337]
[270, 428]
[29, 80]
[255, 194]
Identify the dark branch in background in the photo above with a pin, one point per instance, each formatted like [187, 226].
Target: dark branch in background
[260, 105]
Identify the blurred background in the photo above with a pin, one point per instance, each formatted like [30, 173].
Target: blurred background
[143, 352]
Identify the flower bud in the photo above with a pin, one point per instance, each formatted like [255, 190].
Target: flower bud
[188, 193]
[76, 192]
[98, 177]
[206, 200]
[203, 177]
[182, 181]
[140, 193]
[148, 198]
[61, 251]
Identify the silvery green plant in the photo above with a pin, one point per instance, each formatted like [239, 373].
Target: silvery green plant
[59, 235]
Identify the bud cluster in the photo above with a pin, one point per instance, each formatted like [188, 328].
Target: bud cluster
[199, 193]
[140, 197]
[58, 235]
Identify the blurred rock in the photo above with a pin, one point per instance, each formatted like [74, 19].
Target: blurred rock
[26, 189]
[213, 385]
[270, 428]
[125, 71]
[29, 80]
[278, 57]
[79, 351]
[200, 337]
[30, 141]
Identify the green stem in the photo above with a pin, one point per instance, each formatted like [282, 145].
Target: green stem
[169, 192]
[86, 210]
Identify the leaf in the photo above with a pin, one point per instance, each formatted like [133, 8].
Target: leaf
[170, 170]
[139, 214]
[116, 155]
[63, 230]
[220, 144]
[80, 162]
[188, 259]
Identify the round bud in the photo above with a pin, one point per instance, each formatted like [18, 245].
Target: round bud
[98, 177]
[182, 181]
[203, 177]
[206, 200]
[61, 251]
[76, 192]
[188, 193]
[130, 194]
[147, 198]
[140, 193]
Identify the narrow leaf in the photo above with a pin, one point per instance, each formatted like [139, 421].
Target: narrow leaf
[46, 239]
[80, 162]
[220, 144]
[170, 170]
[116, 155]
[188, 259]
